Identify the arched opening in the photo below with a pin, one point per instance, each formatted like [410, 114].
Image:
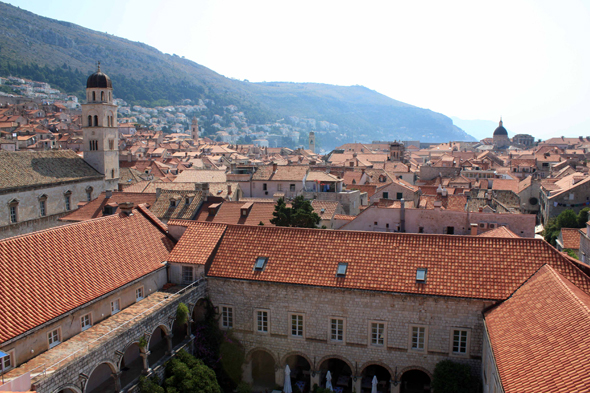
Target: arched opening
[415, 381]
[131, 365]
[178, 333]
[340, 372]
[199, 313]
[263, 371]
[67, 390]
[93, 96]
[157, 346]
[383, 377]
[95, 121]
[110, 96]
[89, 121]
[101, 379]
[102, 95]
[300, 372]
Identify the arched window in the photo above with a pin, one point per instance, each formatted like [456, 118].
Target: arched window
[112, 173]
[102, 95]
[110, 96]
[93, 96]
[95, 121]
[89, 121]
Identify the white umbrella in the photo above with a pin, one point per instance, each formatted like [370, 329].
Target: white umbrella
[374, 387]
[287, 388]
[329, 381]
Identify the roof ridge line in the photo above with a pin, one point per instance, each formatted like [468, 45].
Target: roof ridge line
[569, 291]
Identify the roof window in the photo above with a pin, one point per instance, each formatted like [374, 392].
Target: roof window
[421, 275]
[260, 263]
[341, 272]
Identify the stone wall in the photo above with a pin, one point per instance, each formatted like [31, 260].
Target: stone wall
[431, 172]
[358, 308]
[110, 350]
[38, 224]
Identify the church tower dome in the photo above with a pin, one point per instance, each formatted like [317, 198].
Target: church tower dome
[100, 128]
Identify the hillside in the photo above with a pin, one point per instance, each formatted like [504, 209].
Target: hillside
[63, 54]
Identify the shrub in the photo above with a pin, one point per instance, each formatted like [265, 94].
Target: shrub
[181, 313]
[453, 377]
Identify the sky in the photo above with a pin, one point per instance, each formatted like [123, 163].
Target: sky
[526, 61]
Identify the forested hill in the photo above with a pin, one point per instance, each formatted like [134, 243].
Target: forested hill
[64, 54]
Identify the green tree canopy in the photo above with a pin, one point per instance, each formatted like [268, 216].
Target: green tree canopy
[187, 374]
[565, 219]
[452, 377]
[300, 214]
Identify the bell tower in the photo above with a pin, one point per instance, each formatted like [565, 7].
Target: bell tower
[312, 141]
[100, 128]
[195, 130]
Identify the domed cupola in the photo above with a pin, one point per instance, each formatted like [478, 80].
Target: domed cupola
[99, 80]
[500, 130]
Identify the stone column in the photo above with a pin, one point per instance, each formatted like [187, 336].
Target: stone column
[146, 364]
[247, 372]
[188, 327]
[395, 389]
[356, 385]
[315, 379]
[117, 377]
[279, 376]
[169, 344]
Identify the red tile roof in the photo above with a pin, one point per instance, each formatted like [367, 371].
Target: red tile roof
[505, 184]
[540, 336]
[197, 243]
[95, 208]
[499, 232]
[48, 273]
[460, 266]
[231, 213]
[571, 238]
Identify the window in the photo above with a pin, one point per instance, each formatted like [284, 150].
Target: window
[111, 144]
[68, 201]
[418, 338]
[378, 333]
[450, 230]
[279, 187]
[385, 195]
[89, 193]
[13, 213]
[292, 188]
[399, 195]
[85, 322]
[93, 96]
[227, 317]
[421, 275]
[460, 340]
[95, 119]
[42, 206]
[262, 321]
[337, 329]
[112, 173]
[341, 272]
[264, 188]
[53, 337]
[6, 362]
[115, 306]
[89, 121]
[187, 274]
[260, 263]
[420, 229]
[296, 325]
[139, 294]
[102, 95]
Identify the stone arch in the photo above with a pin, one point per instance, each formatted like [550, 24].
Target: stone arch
[410, 368]
[125, 348]
[65, 388]
[349, 363]
[164, 327]
[293, 353]
[377, 363]
[107, 362]
[251, 352]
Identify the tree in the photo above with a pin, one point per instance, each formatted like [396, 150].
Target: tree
[452, 377]
[186, 374]
[567, 219]
[300, 214]
[583, 217]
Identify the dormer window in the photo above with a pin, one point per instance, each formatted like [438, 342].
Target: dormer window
[260, 263]
[421, 275]
[341, 272]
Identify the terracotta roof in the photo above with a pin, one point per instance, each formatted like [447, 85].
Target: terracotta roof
[370, 189]
[450, 202]
[321, 176]
[95, 208]
[540, 336]
[39, 168]
[344, 217]
[501, 231]
[458, 266]
[329, 208]
[231, 213]
[197, 243]
[172, 204]
[284, 172]
[352, 177]
[505, 184]
[62, 268]
[571, 238]
[201, 176]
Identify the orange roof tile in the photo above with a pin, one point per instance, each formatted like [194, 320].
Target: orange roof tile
[48, 273]
[540, 336]
[459, 266]
[95, 208]
[571, 238]
[499, 232]
[197, 243]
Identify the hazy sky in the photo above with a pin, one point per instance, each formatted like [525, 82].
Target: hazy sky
[527, 61]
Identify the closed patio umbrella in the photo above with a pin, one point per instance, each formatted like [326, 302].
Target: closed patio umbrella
[329, 381]
[287, 387]
[374, 383]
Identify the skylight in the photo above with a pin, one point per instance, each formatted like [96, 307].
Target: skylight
[260, 263]
[421, 275]
[341, 272]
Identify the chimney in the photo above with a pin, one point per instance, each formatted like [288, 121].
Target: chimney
[229, 191]
[274, 167]
[473, 229]
[402, 215]
[126, 208]
[108, 194]
[481, 209]
[437, 205]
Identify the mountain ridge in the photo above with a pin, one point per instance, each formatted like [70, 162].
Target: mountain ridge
[362, 114]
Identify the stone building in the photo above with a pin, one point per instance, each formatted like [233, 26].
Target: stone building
[357, 304]
[501, 136]
[570, 192]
